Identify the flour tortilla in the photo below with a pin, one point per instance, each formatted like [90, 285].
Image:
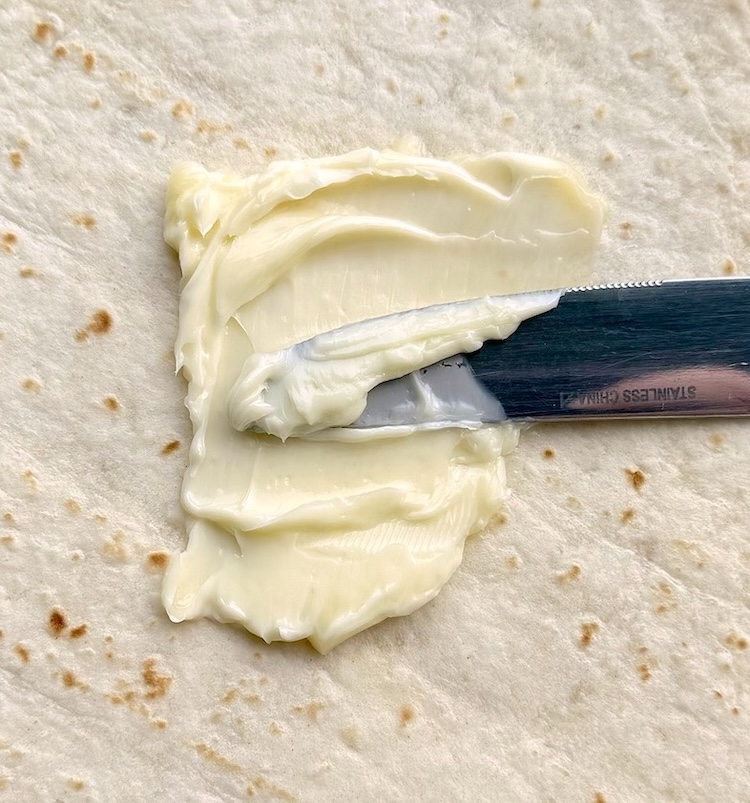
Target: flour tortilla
[527, 678]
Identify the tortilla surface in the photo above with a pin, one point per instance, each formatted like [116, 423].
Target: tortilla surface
[594, 643]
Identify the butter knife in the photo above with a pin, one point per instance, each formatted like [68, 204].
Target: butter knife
[634, 350]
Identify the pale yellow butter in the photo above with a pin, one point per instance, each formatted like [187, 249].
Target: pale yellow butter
[321, 538]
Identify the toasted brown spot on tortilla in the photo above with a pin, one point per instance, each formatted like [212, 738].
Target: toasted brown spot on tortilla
[644, 671]
[640, 56]
[666, 594]
[205, 126]
[270, 152]
[80, 335]
[111, 403]
[8, 517]
[599, 798]
[6, 540]
[27, 272]
[511, 562]
[60, 52]
[588, 631]
[608, 157]
[499, 519]
[729, 268]
[735, 710]
[319, 69]
[30, 479]
[75, 784]
[569, 575]
[126, 78]
[536, 3]
[89, 61]
[16, 159]
[22, 652]
[548, 454]
[275, 729]
[627, 515]
[113, 547]
[272, 790]
[311, 710]
[182, 109]
[626, 230]
[31, 385]
[636, 476]
[692, 551]
[42, 32]
[95, 103]
[78, 632]
[716, 441]
[72, 506]
[229, 695]
[241, 144]
[128, 698]
[159, 724]
[85, 221]
[56, 622]
[443, 18]
[147, 135]
[391, 86]
[600, 112]
[101, 322]
[405, 715]
[209, 754]
[8, 241]
[736, 642]
[157, 685]
[1, 632]
[157, 561]
[170, 447]
[68, 679]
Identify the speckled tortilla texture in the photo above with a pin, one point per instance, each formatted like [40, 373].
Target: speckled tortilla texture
[594, 644]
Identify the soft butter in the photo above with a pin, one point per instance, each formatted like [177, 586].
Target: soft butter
[308, 537]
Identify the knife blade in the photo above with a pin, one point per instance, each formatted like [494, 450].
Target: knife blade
[676, 348]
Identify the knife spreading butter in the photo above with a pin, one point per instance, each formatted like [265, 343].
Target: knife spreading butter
[294, 534]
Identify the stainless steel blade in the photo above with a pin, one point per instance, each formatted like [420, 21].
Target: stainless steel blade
[651, 349]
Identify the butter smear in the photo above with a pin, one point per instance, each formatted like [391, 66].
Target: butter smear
[296, 528]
